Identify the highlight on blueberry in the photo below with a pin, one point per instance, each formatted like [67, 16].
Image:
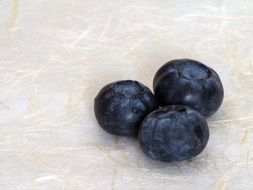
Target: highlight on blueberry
[121, 106]
[189, 82]
[173, 133]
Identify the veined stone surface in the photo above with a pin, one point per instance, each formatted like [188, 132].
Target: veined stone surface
[56, 55]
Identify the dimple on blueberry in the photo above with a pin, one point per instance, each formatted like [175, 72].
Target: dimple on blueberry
[189, 82]
[121, 106]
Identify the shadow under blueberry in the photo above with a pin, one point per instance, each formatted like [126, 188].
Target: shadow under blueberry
[126, 153]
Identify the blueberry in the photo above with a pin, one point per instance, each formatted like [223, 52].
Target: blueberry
[189, 82]
[121, 106]
[173, 133]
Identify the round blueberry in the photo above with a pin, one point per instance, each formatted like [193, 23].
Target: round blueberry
[189, 82]
[121, 106]
[173, 133]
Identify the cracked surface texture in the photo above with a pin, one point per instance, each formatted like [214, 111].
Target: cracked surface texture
[56, 55]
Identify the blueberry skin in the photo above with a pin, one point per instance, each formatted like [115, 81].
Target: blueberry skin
[189, 82]
[173, 133]
[121, 106]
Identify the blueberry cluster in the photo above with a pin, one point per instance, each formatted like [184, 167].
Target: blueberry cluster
[171, 123]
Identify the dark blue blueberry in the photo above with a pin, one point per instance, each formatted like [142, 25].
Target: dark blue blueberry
[121, 106]
[173, 133]
[189, 82]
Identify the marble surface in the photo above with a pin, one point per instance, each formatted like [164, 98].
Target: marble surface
[56, 55]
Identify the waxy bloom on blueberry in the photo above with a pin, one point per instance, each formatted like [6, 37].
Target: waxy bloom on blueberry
[173, 133]
[189, 82]
[121, 106]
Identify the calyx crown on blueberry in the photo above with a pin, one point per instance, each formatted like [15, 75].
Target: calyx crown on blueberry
[189, 82]
[121, 106]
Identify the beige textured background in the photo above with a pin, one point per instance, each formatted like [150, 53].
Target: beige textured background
[56, 54]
